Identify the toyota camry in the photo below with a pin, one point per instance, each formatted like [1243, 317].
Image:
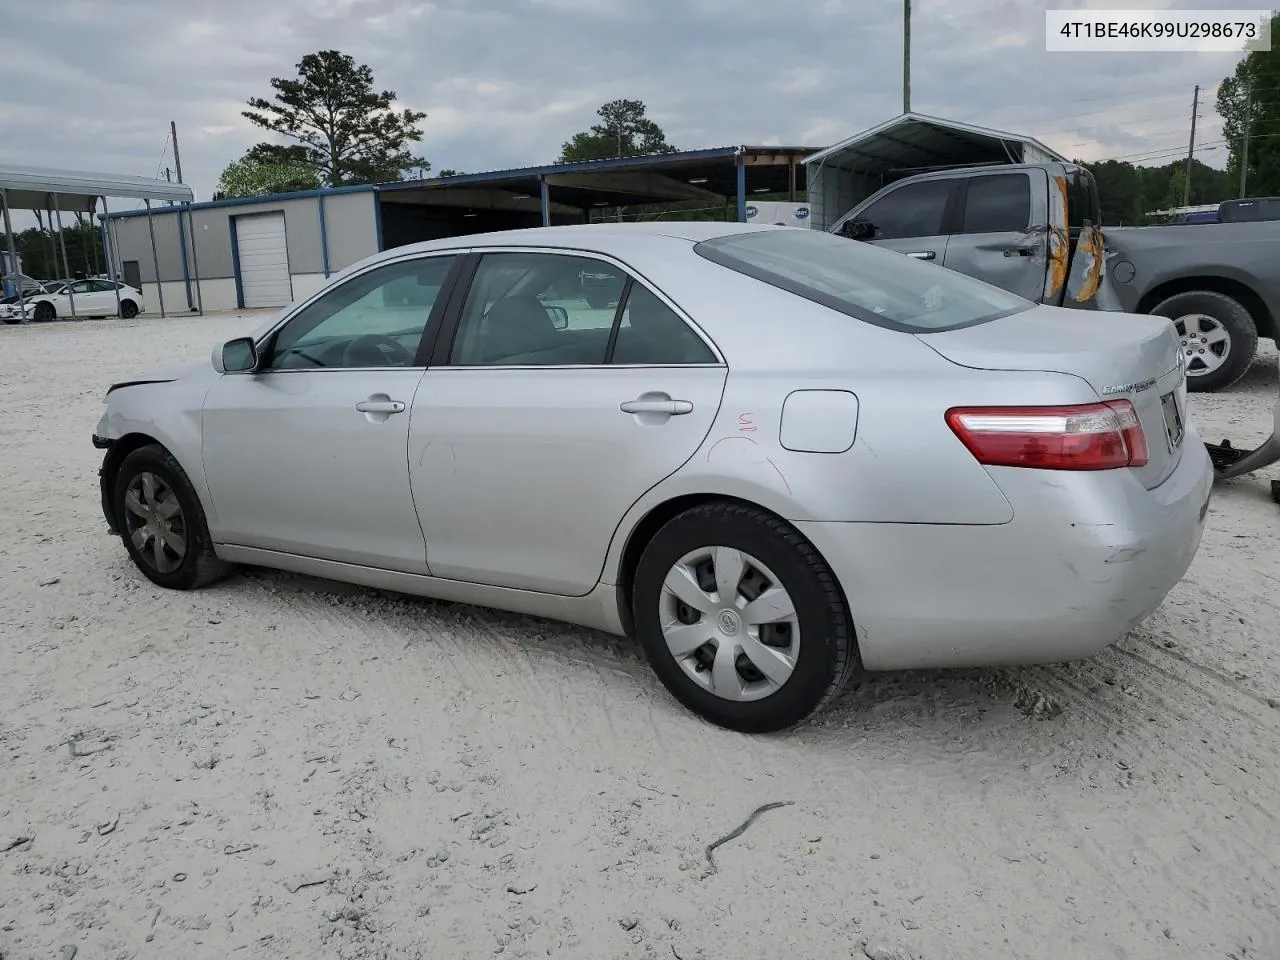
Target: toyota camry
[773, 457]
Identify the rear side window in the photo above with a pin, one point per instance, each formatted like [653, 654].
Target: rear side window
[916, 210]
[997, 204]
[869, 283]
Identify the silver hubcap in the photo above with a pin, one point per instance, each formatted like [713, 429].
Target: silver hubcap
[729, 623]
[1205, 343]
[154, 522]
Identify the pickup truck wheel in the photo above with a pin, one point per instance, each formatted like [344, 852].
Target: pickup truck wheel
[1218, 335]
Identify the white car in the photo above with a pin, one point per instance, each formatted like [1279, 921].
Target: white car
[92, 298]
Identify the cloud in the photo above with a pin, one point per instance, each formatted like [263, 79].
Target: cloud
[505, 82]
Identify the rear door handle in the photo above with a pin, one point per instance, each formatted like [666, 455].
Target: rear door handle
[380, 406]
[923, 255]
[672, 408]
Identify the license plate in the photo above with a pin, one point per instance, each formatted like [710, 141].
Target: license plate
[1172, 419]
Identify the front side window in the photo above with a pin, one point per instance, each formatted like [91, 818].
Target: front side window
[915, 210]
[650, 332]
[83, 286]
[1000, 203]
[538, 309]
[375, 319]
[869, 283]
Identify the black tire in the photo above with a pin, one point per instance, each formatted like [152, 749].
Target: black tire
[44, 312]
[1242, 333]
[128, 309]
[11, 320]
[827, 655]
[199, 566]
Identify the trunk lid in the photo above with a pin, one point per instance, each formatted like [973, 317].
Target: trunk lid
[1121, 356]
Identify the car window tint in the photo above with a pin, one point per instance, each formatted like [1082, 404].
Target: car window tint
[869, 283]
[915, 210]
[80, 287]
[651, 332]
[375, 319]
[538, 309]
[997, 204]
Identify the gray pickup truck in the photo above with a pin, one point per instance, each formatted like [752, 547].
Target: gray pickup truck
[1032, 229]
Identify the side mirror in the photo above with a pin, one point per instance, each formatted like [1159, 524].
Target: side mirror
[559, 316]
[858, 229]
[238, 356]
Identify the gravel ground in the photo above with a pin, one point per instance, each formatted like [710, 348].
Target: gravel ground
[294, 768]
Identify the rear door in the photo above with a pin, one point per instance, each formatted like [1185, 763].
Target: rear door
[994, 239]
[911, 218]
[544, 417]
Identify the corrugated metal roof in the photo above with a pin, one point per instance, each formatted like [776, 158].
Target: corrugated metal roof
[33, 188]
[915, 140]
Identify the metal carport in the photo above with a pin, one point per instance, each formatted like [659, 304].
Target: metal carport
[842, 175]
[428, 209]
[35, 188]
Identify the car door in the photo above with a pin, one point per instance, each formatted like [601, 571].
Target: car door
[910, 218]
[80, 295]
[543, 418]
[308, 454]
[994, 240]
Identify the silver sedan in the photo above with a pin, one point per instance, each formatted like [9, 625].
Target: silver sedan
[775, 457]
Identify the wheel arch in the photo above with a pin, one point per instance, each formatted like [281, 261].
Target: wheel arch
[644, 530]
[1237, 290]
[127, 444]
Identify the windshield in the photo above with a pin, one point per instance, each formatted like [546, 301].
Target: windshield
[876, 285]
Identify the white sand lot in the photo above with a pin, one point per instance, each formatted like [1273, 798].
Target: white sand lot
[452, 782]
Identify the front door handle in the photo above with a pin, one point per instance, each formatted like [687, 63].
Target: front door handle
[923, 255]
[672, 408]
[380, 406]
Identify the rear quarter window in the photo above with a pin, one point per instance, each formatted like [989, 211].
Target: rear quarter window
[869, 283]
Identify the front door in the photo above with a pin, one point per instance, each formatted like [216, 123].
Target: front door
[910, 219]
[995, 240]
[308, 454]
[557, 408]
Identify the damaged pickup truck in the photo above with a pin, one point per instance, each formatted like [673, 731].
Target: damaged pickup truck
[1032, 229]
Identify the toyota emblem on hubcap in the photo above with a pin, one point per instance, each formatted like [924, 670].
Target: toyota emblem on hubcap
[729, 622]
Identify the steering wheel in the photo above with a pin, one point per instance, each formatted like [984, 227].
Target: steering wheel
[376, 350]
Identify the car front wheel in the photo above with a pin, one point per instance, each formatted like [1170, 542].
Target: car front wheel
[742, 619]
[162, 523]
[44, 312]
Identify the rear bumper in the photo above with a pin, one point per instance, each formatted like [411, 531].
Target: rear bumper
[1086, 558]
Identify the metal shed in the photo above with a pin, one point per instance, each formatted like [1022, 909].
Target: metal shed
[850, 171]
[266, 251]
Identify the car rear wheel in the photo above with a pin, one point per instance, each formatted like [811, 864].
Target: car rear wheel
[162, 523]
[1218, 337]
[44, 312]
[128, 309]
[742, 619]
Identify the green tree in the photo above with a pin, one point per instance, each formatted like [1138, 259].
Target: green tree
[349, 131]
[624, 131]
[1249, 103]
[264, 169]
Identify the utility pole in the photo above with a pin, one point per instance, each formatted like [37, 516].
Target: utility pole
[906, 56]
[1191, 148]
[1248, 130]
[177, 159]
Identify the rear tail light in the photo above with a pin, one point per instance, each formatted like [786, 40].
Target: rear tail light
[1094, 436]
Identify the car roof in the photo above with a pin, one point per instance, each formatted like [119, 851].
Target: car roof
[601, 237]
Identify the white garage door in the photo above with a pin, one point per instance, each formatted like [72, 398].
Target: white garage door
[264, 260]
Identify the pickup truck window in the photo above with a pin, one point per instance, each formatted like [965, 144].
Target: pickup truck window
[1000, 203]
[872, 284]
[915, 210]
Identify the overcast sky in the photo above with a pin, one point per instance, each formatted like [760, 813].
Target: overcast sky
[93, 84]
